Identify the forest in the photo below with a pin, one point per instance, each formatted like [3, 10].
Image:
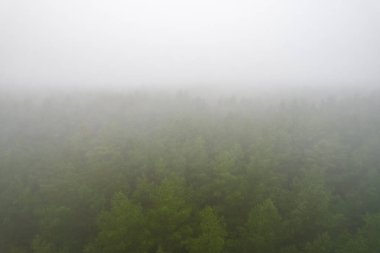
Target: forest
[144, 172]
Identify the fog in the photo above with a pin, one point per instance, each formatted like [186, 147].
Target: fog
[169, 126]
[221, 44]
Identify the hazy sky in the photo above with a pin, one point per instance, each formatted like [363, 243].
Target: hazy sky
[195, 42]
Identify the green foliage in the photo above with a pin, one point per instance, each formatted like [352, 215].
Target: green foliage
[169, 216]
[211, 238]
[121, 229]
[39, 245]
[174, 174]
[367, 238]
[322, 244]
[263, 228]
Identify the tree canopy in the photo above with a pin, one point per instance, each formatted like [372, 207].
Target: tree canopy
[178, 173]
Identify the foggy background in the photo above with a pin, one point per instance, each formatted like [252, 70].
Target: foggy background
[263, 44]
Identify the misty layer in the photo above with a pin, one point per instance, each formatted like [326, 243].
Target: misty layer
[183, 43]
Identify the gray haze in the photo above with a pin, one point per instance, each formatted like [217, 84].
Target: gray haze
[160, 43]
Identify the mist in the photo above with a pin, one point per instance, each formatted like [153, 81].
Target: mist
[209, 126]
[180, 44]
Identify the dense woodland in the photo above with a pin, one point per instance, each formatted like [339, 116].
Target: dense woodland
[171, 173]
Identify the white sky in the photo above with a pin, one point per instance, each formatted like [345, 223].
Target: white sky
[115, 43]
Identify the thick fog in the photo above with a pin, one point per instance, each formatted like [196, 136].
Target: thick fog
[168, 43]
[198, 126]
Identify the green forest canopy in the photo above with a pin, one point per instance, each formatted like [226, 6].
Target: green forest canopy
[162, 173]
